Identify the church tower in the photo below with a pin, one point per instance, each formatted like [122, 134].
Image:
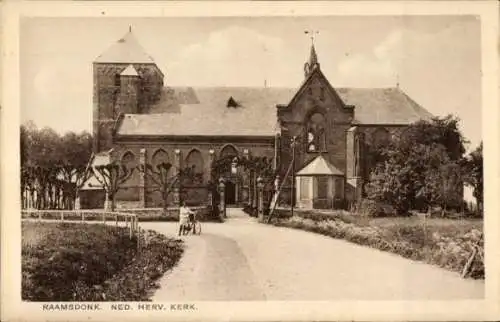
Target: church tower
[126, 81]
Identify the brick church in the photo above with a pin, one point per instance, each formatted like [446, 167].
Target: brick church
[138, 118]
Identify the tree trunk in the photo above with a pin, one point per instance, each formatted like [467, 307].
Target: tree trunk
[107, 201]
[77, 202]
[112, 198]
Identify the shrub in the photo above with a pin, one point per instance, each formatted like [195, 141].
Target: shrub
[79, 262]
[74, 255]
[446, 245]
[371, 208]
[250, 210]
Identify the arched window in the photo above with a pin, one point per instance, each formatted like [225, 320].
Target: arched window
[129, 160]
[194, 160]
[160, 156]
[228, 151]
[380, 137]
[316, 136]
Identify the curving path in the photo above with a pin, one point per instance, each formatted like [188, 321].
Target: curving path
[244, 260]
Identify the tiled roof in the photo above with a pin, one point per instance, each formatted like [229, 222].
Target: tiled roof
[382, 106]
[98, 159]
[204, 110]
[319, 166]
[126, 50]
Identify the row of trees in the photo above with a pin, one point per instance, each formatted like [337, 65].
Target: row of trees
[165, 180]
[425, 167]
[53, 166]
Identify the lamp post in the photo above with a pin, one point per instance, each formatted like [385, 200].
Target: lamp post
[293, 143]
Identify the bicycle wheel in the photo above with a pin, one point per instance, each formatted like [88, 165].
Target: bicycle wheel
[197, 228]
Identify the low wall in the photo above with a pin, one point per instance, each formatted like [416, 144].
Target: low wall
[203, 213]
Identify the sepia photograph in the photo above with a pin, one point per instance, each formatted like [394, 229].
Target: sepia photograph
[197, 159]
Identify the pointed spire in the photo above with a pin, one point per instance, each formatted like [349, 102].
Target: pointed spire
[313, 57]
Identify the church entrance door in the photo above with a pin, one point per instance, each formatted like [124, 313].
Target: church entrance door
[230, 193]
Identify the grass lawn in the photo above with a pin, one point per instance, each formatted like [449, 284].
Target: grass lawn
[92, 262]
[33, 232]
[444, 242]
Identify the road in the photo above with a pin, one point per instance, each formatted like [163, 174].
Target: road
[242, 260]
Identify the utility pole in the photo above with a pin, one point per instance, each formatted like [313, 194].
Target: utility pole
[294, 140]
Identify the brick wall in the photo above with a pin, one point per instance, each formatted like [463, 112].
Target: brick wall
[197, 193]
[315, 96]
[106, 96]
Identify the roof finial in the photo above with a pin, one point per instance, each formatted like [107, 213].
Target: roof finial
[397, 80]
[311, 33]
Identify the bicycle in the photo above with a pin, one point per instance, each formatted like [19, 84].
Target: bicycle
[193, 226]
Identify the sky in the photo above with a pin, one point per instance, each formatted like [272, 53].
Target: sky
[436, 60]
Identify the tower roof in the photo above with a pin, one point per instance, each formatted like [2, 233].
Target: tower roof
[129, 71]
[125, 50]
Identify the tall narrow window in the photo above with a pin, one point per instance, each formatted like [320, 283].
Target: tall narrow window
[117, 80]
[194, 160]
[316, 136]
[322, 94]
[160, 156]
[130, 162]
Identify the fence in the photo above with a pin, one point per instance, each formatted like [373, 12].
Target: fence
[130, 220]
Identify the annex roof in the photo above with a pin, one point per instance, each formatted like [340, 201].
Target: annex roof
[125, 50]
[101, 158]
[319, 166]
[205, 111]
[129, 71]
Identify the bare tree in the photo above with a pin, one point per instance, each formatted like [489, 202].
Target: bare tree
[164, 182]
[111, 176]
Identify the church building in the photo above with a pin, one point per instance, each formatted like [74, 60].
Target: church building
[138, 118]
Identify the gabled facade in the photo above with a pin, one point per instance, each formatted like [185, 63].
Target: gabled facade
[144, 121]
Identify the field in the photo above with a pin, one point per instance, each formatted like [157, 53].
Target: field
[92, 262]
[447, 243]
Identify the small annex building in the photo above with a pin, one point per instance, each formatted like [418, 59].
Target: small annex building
[319, 185]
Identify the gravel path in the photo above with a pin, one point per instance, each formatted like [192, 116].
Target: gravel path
[244, 260]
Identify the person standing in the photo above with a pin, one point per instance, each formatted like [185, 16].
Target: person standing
[184, 215]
